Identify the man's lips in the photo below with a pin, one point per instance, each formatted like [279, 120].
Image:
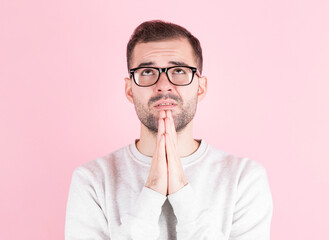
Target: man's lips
[165, 104]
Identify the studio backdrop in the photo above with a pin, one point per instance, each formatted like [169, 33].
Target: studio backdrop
[62, 101]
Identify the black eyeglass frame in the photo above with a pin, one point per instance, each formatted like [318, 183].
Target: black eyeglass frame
[165, 70]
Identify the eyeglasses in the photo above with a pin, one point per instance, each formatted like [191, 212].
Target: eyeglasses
[177, 75]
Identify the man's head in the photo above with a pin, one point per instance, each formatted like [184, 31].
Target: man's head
[154, 31]
[158, 44]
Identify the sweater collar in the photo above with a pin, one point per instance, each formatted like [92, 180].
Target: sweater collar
[138, 156]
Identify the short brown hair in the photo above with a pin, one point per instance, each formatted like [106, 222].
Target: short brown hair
[157, 30]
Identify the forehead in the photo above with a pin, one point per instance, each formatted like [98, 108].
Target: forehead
[160, 53]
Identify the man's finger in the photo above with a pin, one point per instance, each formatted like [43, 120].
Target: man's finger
[161, 128]
[162, 114]
[171, 119]
[170, 148]
[162, 149]
[170, 127]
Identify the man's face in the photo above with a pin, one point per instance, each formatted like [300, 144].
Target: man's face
[148, 100]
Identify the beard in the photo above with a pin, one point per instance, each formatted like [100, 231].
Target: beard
[150, 119]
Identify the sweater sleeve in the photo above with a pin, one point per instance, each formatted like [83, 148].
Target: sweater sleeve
[252, 216]
[194, 221]
[86, 217]
[253, 207]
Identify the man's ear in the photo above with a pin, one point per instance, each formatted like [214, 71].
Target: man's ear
[128, 90]
[202, 88]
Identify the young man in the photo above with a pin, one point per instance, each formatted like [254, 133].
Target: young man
[167, 185]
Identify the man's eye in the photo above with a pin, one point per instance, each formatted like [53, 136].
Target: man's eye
[179, 71]
[147, 72]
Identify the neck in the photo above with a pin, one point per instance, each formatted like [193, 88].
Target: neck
[185, 143]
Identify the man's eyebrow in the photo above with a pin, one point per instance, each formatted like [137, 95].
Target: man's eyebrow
[146, 64]
[178, 63]
[175, 63]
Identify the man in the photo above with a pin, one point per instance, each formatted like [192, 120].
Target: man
[167, 185]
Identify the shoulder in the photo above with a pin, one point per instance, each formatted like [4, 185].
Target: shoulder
[98, 168]
[247, 177]
[233, 164]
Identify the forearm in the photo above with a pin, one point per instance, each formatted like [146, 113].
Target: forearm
[86, 219]
[141, 222]
[251, 216]
[194, 221]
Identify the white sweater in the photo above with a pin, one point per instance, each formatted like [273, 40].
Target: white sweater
[226, 198]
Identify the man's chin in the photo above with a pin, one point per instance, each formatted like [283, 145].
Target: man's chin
[156, 113]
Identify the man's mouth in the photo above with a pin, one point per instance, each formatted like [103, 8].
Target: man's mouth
[165, 104]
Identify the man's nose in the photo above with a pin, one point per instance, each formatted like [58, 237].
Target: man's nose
[163, 85]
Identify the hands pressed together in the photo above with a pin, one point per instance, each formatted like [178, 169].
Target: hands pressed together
[166, 175]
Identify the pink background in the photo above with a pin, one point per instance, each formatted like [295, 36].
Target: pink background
[62, 102]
